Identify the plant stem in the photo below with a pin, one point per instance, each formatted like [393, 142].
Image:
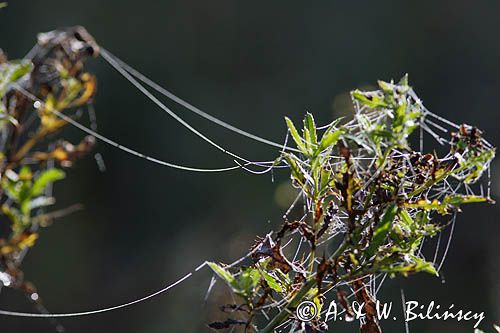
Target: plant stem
[285, 313]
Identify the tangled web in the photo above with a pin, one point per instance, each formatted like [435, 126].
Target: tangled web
[361, 190]
[369, 193]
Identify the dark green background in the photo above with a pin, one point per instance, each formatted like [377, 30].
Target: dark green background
[250, 63]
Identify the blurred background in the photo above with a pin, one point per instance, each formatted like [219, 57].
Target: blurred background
[249, 63]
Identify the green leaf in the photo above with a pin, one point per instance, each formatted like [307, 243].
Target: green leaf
[406, 218]
[296, 172]
[386, 86]
[11, 72]
[272, 282]
[25, 173]
[222, 273]
[3, 5]
[457, 200]
[369, 99]
[415, 265]
[382, 229]
[443, 207]
[11, 189]
[424, 266]
[399, 122]
[428, 205]
[311, 127]
[477, 164]
[404, 80]
[247, 281]
[422, 218]
[329, 139]
[46, 177]
[244, 284]
[73, 89]
[308, 142]
[14, 216]
[285, 279]
[296, 136]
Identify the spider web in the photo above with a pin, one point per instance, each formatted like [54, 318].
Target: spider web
[431, 126]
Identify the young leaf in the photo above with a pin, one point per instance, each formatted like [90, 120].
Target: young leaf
[330, 139]
[247, 281]
[387, 87]
[311, 126]
[295, 135]
[406, 218]
[369, 99]
[46, 177]
[25, 173]
[272, 282]
[307, 141]
[404, 80]
[298, 174]
[14, 216]
[222, 273]
[424, 266]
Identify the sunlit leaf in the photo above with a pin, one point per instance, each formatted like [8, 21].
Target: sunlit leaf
[372, 100]
[444, 207]
[406, 218]
[222, 273]
[272, 282]
[295, 135]
[247, 281]
[46, 177]
[414, 265]
[311, 127]
[330, 138]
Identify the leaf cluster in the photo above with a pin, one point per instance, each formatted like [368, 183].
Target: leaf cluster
[361, 177]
